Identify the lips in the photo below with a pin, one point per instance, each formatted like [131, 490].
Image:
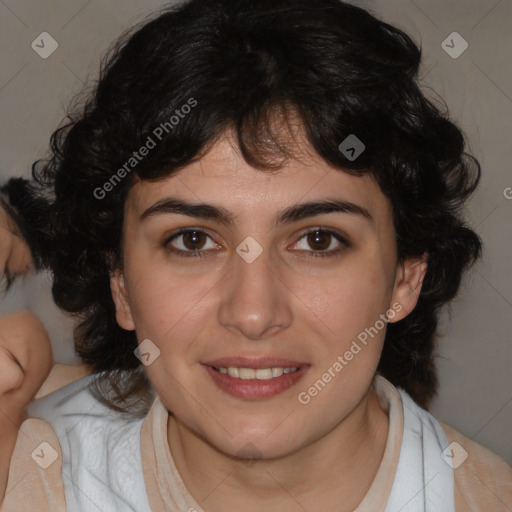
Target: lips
[254, 389]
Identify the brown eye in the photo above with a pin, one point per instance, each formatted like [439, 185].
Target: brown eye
[194, 240]
[319, 240]
[190, 242]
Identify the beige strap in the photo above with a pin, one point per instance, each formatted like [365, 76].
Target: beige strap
[35, 480]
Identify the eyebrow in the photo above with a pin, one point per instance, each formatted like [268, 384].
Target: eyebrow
[170, 205]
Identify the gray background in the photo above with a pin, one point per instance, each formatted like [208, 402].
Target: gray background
[476, 347]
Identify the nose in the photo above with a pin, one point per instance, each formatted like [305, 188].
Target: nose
[255, 300]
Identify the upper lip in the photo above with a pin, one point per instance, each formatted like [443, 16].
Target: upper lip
[254, 362]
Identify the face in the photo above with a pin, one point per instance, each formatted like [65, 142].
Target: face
[257, 280]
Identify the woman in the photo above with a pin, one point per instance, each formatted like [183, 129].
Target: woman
[256, 218]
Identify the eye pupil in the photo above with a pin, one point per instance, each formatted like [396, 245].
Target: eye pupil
[315, 238]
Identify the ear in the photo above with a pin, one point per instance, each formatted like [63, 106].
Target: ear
[120, 297]
[408, 282]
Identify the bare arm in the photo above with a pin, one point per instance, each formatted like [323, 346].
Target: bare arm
[25, 350]
[25, 362]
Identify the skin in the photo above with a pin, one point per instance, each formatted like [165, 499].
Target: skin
[22, 369]
[25, 362]
[14, 252]
[307, 457]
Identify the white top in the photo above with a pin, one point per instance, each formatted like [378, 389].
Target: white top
[101, 461]
[101, 455]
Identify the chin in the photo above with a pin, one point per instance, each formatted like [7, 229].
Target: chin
[265, 444]
[254, 450]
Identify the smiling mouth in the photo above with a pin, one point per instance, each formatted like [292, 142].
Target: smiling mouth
[257, 374]
[255, 383]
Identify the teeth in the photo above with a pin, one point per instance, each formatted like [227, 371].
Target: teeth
[277, 372]
[245, 373]
[251, 373]
[234, 372]
[263, 373]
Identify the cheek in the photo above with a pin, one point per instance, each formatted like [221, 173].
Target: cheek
[170, 310]
[349, 300]
[160, 296]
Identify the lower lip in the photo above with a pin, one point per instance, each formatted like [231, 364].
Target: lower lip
[254, 389]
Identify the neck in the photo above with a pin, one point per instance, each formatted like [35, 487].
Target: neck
[339, 467]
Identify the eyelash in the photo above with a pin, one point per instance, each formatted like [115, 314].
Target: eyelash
[311, 254]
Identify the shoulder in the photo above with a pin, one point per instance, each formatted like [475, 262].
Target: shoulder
[35, 478]
[80, 420]
[98, 448]
[483, 480]
[35, 481]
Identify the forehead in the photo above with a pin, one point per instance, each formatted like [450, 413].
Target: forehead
[222, 177]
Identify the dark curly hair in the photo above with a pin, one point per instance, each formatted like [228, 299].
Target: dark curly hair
[337, 67]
